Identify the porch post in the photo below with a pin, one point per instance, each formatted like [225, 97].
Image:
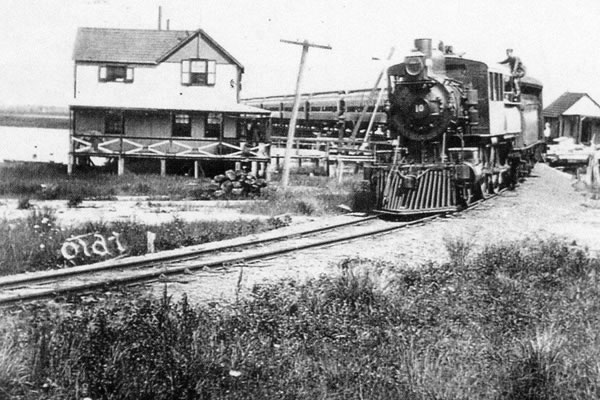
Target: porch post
[196, 169]
[254, 168]
[163, 167]
[70, 164]
[561, 126]
[120, 166]
[71, 147]
[268, 171]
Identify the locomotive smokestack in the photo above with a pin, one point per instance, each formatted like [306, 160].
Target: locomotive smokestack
[424, 46]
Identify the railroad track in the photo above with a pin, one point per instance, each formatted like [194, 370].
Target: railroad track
[46, 284]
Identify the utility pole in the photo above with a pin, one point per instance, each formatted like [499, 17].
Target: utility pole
[371, 96]
[292, 128]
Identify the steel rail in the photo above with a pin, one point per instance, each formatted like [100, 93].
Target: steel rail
[145, 276]
[180, 254]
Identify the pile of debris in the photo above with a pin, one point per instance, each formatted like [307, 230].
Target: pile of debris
[567, 152]
[236, 184]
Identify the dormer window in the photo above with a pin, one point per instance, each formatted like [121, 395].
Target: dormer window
[115, 73]
[198, 72]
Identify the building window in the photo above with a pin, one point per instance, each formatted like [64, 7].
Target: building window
[196, 72]
[182, 125]
[115, 73]
[113, 123]
[213, 125]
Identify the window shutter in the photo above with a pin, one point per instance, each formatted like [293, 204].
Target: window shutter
[129, 76]
[185, 72]
[102, 73]
[211, 78]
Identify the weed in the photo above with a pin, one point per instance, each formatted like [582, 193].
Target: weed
[458, 249]
[536, 371]
[13, 365]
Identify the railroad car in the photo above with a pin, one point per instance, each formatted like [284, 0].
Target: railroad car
[462, 132]
[322, 113]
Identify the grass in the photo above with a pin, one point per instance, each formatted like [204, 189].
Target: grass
[51, 182]
[307, 195]
[517, 320]
[314, 195]
[35, 243]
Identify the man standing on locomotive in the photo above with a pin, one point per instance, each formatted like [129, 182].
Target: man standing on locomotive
[517, 70]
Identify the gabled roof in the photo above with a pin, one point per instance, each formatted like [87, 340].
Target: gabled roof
[136, 46]
[563, 103]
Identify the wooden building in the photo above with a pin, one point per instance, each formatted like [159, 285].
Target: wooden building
[159, 95]
[576, 116]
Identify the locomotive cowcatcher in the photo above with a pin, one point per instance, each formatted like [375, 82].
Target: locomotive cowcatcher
[462, 132]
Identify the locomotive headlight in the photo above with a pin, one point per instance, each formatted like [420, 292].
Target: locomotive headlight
[414, 65]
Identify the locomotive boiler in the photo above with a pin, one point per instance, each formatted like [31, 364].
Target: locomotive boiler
[462, 133]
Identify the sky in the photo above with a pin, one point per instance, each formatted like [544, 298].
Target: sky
[556, 39]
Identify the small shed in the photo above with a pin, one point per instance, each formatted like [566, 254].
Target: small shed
[574, 115]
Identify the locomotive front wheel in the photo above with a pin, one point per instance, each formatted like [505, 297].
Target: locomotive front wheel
[495, 183]
[467, 195]
[485, 186]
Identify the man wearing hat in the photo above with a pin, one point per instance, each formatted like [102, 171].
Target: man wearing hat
[517, 70]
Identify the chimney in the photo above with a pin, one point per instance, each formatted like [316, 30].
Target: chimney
[159, 16]
[168, 20]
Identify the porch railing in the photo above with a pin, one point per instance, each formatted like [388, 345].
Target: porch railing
[167, 147]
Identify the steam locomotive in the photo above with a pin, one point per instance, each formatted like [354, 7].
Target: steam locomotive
[463, 132]
[460, 132]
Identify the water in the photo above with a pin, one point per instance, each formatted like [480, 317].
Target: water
[34, 144]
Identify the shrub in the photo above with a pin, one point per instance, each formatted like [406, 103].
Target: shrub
[142, 188]
[23, 204]
[74, 200]
[304, 207]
